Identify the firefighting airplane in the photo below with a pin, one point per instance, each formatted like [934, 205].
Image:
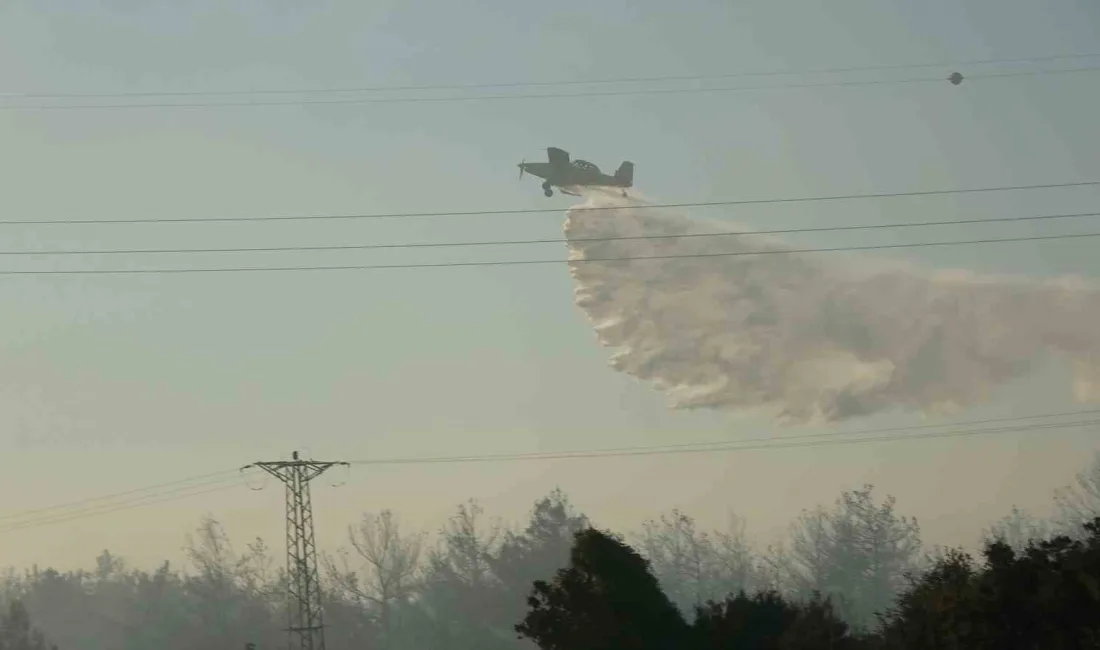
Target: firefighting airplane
[561, 173]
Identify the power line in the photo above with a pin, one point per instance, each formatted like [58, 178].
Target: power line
[778, 443]
[841, 437]
[134, 498]
[203, 478]
[522, 84]
[479, 213]
[737, 445]
[750, 447]
[370, 267]
[470, 98]
[136, 503]
[560, 240]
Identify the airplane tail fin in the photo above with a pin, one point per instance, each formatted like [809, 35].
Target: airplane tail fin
[625, 173]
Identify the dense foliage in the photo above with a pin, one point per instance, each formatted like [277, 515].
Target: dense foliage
[1047, 596]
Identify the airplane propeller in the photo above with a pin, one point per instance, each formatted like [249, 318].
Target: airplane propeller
[521, 168]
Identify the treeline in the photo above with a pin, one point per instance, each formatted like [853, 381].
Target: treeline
[856, 565]
[1047, 596]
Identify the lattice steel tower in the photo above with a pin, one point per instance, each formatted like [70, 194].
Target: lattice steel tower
[306, 620]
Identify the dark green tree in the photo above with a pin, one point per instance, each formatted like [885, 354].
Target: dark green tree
[766, 621]
[536, 553]
[1046, 596]
[16, 631]
[606, 599]
[937, 610]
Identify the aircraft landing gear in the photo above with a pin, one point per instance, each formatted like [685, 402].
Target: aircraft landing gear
[547, 190]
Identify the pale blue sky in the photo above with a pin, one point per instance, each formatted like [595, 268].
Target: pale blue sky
[114, 382]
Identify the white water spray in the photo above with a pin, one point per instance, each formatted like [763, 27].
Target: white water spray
[815, 339]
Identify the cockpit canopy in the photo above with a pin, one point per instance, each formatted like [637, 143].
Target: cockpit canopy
[584, 165]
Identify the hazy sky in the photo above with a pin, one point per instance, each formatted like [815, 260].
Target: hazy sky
[109, 383]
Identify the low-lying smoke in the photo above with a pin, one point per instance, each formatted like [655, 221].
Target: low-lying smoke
[814, 339]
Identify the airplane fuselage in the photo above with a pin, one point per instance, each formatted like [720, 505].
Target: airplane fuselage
[562, 173]
[571, 175]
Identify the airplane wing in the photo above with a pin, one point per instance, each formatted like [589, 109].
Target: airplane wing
[558, 157]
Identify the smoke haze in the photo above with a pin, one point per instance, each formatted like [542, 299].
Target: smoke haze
[813, 338]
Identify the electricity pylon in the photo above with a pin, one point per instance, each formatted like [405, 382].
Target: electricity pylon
[306, 620]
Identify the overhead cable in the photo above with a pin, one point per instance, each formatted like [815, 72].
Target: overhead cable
[811, 440]
[559, 210]
[436, 265]
[544, 83]
[109, 508]
[529, 96]
[183, 483]
[524, 242]
[961, 428]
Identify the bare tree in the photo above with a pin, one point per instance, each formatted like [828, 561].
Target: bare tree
[211, 553]
[461, 591]
[694, 566]
[465, 547]
[735, 557]
[812, 553]
[1017, 529]
[682, 557]
[1079, 503]
[389, 567]
[858, 553]
[772, 570]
